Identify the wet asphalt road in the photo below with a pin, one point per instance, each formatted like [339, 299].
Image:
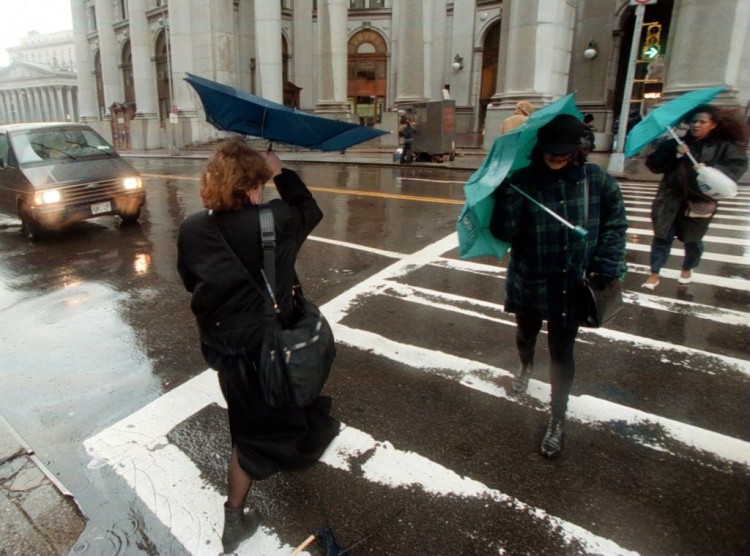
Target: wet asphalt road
[436, 456]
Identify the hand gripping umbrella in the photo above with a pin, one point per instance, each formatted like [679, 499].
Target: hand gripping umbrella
[230, 109]
[662, 118]
[509, 153]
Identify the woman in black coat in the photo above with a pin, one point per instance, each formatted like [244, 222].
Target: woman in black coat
[713, 140]
[230, 313]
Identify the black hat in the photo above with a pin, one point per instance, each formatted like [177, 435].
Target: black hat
[560, 136]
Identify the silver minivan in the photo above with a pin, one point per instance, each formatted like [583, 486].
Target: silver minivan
[54, 174]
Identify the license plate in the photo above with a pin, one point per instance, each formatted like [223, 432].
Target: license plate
[99, 208]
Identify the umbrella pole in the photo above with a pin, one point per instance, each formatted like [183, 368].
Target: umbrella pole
[681, 142]
[577, 229]
[304, 545]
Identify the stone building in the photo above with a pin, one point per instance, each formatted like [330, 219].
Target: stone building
[40, 83]
[364, 60]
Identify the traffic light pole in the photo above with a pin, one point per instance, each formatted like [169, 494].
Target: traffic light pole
[617, 158]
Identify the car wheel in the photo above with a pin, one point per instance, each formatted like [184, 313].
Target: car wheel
[130, 216]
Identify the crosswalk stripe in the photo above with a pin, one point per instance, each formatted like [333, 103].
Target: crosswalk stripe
[137, 449]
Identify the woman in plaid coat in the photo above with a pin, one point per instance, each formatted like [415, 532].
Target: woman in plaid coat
[548, 260]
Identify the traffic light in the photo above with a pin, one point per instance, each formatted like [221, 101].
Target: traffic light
[652, 43]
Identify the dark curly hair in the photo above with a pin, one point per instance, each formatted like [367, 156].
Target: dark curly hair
[728, 126]
[231, 172]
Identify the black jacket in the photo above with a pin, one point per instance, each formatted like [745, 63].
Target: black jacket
[679, 182]
[228, 308]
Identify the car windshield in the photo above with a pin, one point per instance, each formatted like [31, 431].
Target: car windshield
[35, 145]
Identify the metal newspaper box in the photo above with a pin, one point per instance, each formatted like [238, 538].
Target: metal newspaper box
[435, 137]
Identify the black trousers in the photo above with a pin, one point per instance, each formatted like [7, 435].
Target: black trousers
[562, 369]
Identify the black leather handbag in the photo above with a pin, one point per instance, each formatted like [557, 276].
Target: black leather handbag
[596, 307]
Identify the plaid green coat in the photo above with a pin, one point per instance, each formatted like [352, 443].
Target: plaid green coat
[547, 259]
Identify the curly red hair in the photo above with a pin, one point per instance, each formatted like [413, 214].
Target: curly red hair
[232, 171]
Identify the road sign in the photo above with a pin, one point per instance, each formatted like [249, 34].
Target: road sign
[173, 118]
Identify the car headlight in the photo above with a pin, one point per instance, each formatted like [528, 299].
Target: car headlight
[47, 197]
[132, 183]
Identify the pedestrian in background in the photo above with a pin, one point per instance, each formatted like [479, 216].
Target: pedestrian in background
[522, 112]
[230, 314]
[714, 139]
[407, 133]
[548, 260]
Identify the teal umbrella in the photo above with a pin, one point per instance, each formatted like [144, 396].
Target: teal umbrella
[509, 153]
[662, 118]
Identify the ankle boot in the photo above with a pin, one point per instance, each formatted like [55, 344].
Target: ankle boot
[238, 526]
[552, 444]
[520, 381]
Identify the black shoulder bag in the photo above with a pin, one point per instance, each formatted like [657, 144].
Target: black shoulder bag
[295, 362]
[596, 306]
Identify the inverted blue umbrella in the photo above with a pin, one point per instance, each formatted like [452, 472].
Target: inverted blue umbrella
[509, 153]
[230, 109]
[661, 119]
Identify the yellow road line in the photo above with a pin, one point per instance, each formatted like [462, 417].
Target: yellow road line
[342, 191]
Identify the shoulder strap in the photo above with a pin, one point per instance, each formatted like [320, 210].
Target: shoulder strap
[585, 197]
[268, 241]
[271, 305]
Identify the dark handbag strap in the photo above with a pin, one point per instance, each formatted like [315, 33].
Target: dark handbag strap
[585, 198]
[268, 242]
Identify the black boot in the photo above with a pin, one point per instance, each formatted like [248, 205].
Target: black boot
[552, 444]
[238, 526]
[520, 380]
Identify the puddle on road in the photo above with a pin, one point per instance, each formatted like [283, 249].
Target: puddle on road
[70, 363]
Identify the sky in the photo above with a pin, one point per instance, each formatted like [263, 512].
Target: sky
[20, 17]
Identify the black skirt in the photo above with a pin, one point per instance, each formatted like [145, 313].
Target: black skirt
[269, 439]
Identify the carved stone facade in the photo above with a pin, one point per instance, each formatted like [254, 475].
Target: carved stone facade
[35, 93]
[366, 60]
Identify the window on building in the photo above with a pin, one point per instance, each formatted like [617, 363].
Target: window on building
[366, 4]
[91, 19]
[99, 84]
[162, 75]
[123, 6]
[127, 72]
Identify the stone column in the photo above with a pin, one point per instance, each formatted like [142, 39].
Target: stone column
[304, 51]
[410, 52]
[268, 50]
[724, 27]
[35, 104]
[5, 119]
[111, 77]
[331, 63]
[84, 64]
[536, 41]
[144, 78]
[60, 103]
[224, 41]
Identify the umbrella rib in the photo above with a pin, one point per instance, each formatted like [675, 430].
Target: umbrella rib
[546, 209]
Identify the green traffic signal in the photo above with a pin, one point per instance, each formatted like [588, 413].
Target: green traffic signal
[651, 52]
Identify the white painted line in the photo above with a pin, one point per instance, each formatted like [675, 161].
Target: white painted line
[582, 408]
[137, 449]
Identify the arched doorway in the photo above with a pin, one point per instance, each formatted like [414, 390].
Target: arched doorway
[367, 75]
[490, 54]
